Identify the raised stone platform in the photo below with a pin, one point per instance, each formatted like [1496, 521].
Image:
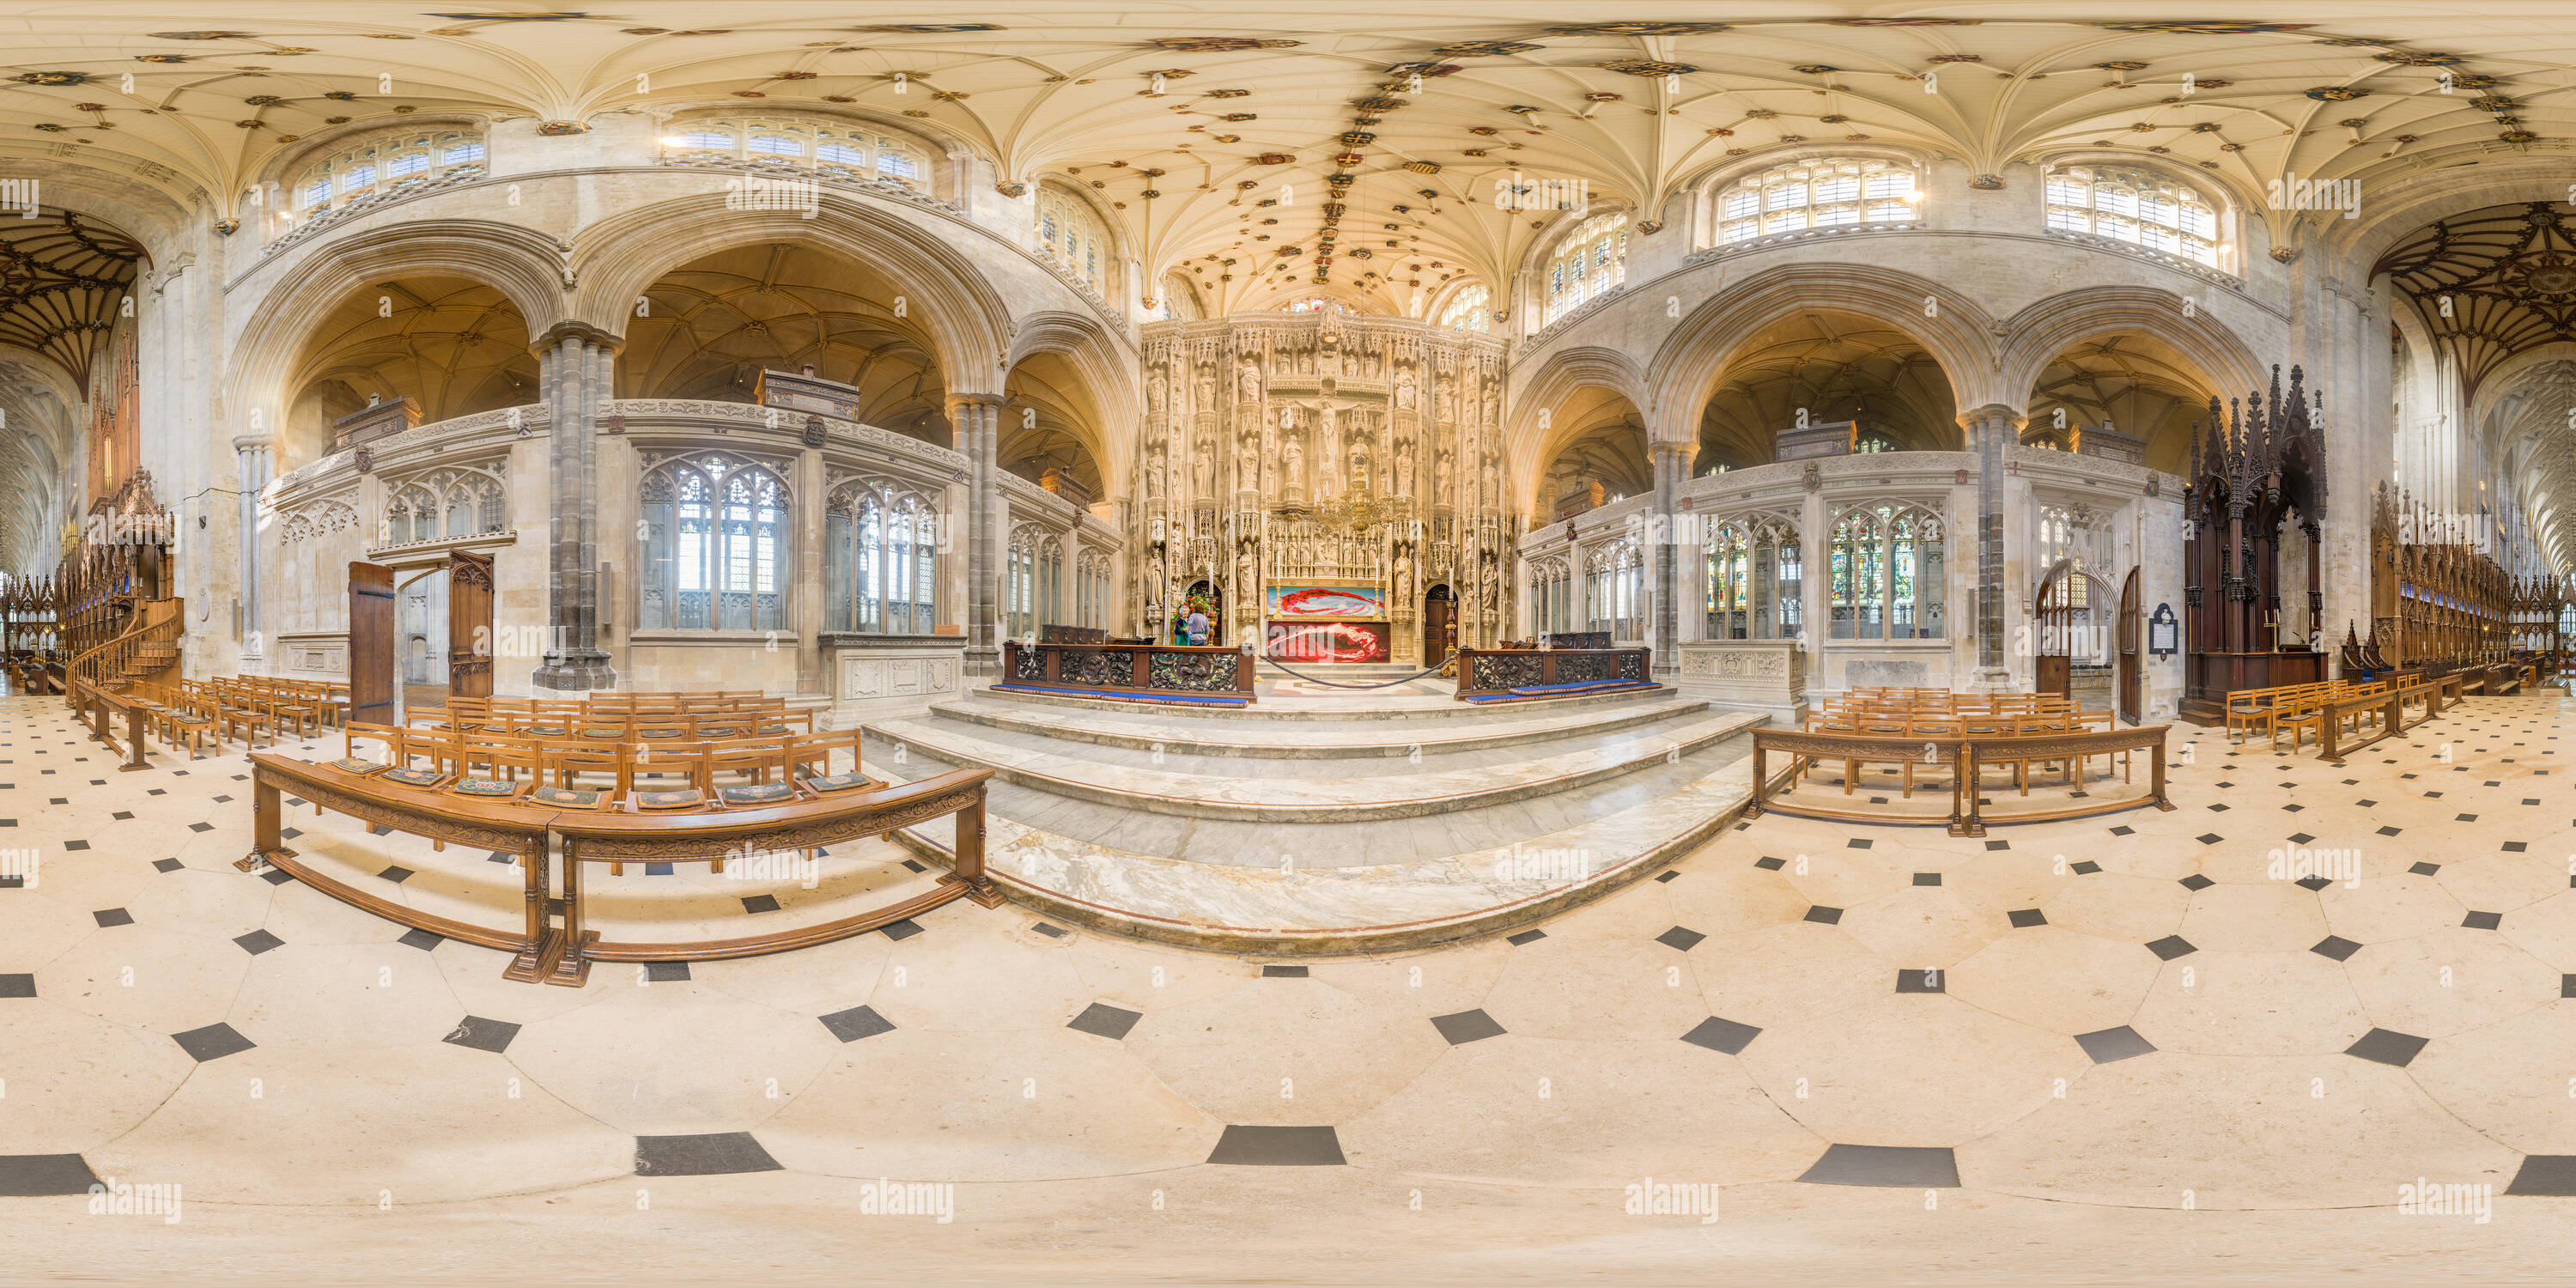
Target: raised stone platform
[1328, 824]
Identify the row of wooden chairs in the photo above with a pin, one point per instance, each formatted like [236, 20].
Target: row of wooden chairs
[2298, 708]
[749, 715]
[583, 773]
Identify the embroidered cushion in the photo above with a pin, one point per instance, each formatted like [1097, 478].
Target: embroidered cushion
[768, 731]
[603, 733]
[657, 733]
[414, 777]
[839, 782]
[669, 800]
[718, 731]
[579, 798]
[357, 765]
[546, 731]
[759, 794]
[486, 787]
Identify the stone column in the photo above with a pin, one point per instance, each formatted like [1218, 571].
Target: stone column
[1672, 463]
[978, 419]
[254, 464]
[1990, 429]
[575, 362]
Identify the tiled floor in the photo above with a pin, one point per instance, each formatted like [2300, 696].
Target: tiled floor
[2216, 1043]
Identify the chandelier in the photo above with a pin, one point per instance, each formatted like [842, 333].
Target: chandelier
[1356, 509]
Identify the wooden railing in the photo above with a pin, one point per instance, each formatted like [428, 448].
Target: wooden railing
[93, 683]
[545, 949]
[1149, 671]
[1966, 758]
[2384, 711]
[1484, 671]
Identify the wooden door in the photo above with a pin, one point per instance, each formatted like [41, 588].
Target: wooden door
[371, 643]
[1439, 627]
[2132, 663]
[469, 625]
[2056, 675]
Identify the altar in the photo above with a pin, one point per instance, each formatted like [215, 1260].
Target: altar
[1327, 623]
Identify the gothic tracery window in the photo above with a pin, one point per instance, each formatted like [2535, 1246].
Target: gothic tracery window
[1591, 262]
[1471, 309]
[1824, 192]
[1752, 587]
[836, 150]
[881, 559]
[713, 556]
[1887, 576]
[386, 163]
[2139, 207]
[1615, 590]
[1072, 235]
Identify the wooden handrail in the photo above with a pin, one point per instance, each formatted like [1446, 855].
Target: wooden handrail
[545, 951]
[1966, 756]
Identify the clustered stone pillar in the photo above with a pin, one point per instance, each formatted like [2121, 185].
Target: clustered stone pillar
[977, 421]
[1990, 429]
[575, 364]
[1672, 466]
[254, 463]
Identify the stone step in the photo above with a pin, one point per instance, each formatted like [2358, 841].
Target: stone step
[1182, 736]
[1401, 706]
[1289, 798]
[1323, 911]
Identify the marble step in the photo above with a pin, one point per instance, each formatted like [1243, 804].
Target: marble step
[1413, 706]
[1281, 798]
[1324, 911]
[1325, 742]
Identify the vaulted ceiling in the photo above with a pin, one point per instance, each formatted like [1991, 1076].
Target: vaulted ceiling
[1185, 116]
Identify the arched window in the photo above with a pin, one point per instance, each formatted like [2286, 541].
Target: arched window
[880, 559]
[1614, 590]
[1825, 192]
[831, 149]
[1887, 579]
[1034, 573]
[1551, 596]
[1091, 589]
[1072, 235]
[1591, 262]
[2135, 206]
[713, 557]
[1752, 587]
[385, 164]
[1471, 309]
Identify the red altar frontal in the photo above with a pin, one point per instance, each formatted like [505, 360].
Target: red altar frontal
[1297, 640]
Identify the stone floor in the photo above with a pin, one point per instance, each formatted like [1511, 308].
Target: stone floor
[2220, 1044]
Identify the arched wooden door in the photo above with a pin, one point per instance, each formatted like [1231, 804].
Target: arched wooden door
[469, 625]
[2063, 602]
[2132, 665]
[1439, 626]
[371, 643]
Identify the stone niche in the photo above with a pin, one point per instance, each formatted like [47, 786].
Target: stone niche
[1768, 676]
[873, 677]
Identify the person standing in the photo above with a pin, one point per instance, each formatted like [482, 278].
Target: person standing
[1197, 626]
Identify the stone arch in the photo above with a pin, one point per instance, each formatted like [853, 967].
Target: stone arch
[1588, 375]
[1692, 361]
[1089, 381]
[522, 264]
[616, 259]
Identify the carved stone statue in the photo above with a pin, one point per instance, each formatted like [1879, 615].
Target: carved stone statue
[1203, 467]
[1403, 579]
[1154, 473]
[1154, 399]
[1292, 462]
[1405, 392]
[1403, 470]
[1440, 479]
[1247, 378]
[1207, 389]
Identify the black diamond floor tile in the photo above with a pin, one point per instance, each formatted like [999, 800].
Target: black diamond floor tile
[1278, 1147]
[1466, 1027]
[857, 1022]
[1729, 1036]
[713, 1154]
[1112, 1022]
